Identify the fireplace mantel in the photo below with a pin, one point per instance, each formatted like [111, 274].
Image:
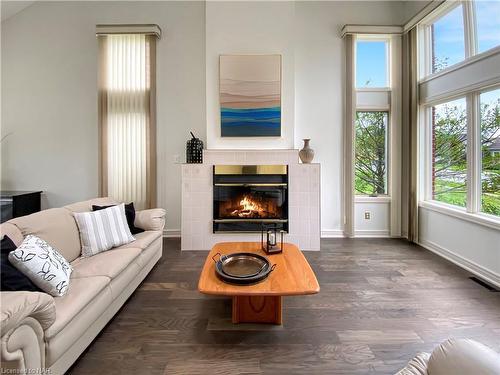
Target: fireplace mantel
[197, 198]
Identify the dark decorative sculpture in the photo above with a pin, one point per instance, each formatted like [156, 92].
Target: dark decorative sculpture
[194, 150]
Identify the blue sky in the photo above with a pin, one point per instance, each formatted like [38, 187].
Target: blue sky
[488, 24]
[371, 64]
[449, 44]
[449, 31]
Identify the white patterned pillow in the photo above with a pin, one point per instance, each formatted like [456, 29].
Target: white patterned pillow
[102, 230]
[43, 265]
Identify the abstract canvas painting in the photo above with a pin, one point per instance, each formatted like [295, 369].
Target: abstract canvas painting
[250, 95]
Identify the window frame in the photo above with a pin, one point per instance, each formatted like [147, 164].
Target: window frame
[474, 29]
[427, 124]
[476, 113]
[471, 42]
[472, 210]
[386, 99]
[382, 94]
[388, 58]
[426, 37]
[387, 195]
[432, 92]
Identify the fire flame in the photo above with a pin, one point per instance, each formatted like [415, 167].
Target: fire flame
[248, 207]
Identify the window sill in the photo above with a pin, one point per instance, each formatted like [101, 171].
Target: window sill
[460, 213]
[368, 199]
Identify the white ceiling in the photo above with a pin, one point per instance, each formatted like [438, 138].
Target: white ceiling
[9, 8]
[409, 8]
[406, 8]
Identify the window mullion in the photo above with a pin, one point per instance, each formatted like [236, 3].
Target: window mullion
[469, 28]
[428, 51]
[473, 154]
[427, 120]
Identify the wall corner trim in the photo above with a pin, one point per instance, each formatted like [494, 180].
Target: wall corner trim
[370, 29]
[148, 29]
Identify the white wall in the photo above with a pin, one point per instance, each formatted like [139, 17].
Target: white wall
[307, 34]
[378, 223]
[250, 28]
[319, 64]
[49, 95]
[468, 244]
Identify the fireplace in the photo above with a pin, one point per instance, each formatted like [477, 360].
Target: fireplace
[245, 196]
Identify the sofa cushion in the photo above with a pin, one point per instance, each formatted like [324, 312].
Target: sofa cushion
[147, 254]
[62, 350]
[109, 263]
[102, 230]
[57, 226]
[129, 213]
[463, 356]
[11, 278]
[81, 292]
[43, 265]
[142, 240]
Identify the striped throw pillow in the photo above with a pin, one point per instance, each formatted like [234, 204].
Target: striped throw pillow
[102, 230]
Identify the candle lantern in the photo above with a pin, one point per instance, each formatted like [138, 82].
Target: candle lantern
[272, 238]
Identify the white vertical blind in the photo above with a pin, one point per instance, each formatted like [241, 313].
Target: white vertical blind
[127, 87]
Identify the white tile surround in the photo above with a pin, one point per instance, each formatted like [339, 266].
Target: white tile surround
[197, 198]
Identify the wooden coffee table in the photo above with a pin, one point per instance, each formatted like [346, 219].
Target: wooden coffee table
[262, 302]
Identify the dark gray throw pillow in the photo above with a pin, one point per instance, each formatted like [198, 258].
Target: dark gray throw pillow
[129, 214]
[12, 279]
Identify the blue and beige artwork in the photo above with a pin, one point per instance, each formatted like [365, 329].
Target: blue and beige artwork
[250, 95]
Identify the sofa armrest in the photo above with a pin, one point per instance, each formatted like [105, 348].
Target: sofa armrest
[24, 317]
[152, 219]
[16, 306]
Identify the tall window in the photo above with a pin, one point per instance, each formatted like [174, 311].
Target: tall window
[449, 155]
[448, 45]
[127, 115]
[371, 153]
[372, 65]
[490, 152]
[373, 128]
[462, 136]
[371, 124]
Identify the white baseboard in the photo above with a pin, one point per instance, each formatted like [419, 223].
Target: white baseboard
[371, 233]
[478, 270]
[327, 233]
[332, 233]
[171, 233]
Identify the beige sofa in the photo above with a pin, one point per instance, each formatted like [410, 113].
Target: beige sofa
[455, 357]
[43, 332]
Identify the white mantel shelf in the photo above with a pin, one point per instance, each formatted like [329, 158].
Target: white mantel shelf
[197, 198]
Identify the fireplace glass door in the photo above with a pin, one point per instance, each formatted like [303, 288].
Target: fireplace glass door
[243, 202]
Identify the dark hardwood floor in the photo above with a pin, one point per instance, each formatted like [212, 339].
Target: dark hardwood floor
[381, 301]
